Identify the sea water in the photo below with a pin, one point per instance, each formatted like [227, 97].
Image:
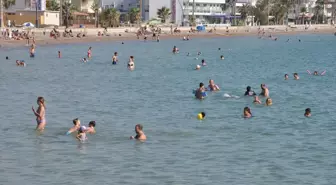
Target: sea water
[277, 146]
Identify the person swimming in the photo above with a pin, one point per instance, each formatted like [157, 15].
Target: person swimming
[203, 62]
[199, 94]
[212, 86]
[201, 116]
[286, 76]
[175, 50]
[40, 114]
[89, 52]
[76, 126]
[81, 135]
[316, 73]
[269, 102]
[199, 53]
[222, 57]
[296, 76]
[115, 58]
[247, 112]
[84, 60]
[249, 92]
[256, 100]
[307, 112]
[32, 51]
[91, 128]
[188, 54]
[20, 63]
[131, 64]
[59, 54]
[140, 135]
[264, 90]
[198, 67]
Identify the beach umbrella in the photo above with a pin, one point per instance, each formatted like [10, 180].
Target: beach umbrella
[28, 25]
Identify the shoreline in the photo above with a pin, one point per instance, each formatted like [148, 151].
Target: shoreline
[220, 33]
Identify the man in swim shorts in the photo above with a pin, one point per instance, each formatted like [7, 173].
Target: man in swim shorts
[199, 94]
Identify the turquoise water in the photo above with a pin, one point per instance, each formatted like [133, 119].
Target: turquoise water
[277, 146]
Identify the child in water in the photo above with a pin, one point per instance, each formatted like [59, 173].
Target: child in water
[40, 114]
[247, 112]
[203, 62]
[91, 129]
[76, 126]
[256, 100]
[307, 112]
[296, 76]
[81, 136]
[269, 102]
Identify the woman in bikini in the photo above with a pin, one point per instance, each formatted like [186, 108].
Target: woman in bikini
[40, 114]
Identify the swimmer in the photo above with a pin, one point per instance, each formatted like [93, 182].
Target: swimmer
[158, 38]
[264, 90]
[201, 116]
[296, 76]
[249, 92]
[188, 54]
[140, 135]
[212, 86]
[81, 135]
[307, 112]
[256, 100]
[199, 94]
[316, 73]
[145, 38]
[59, 54]
[199, 53]
[20, 63]
[84, 60]
[247, 112]
[203, 62]
[32, 51]
[115, 58]
[175, 50]
[299, 40]
[122, 42]
[287, 40]
[76, 126]
[269, 102]
[222, 57]
[219, 49]
[89, 52]
[40, 114]
[7, 58]
[91, 129]
[198, 67]
[188, 37]
[286, 76]
[184, 38]
[131, 64]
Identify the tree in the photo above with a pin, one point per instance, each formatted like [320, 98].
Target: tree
[53, 5]
[319, 5]
[244, 12]
[163, 13]
[303, 11]
[67, 12]
[134, 15]
[95, 7]
[111, 17]
[5, 4]
[279, 11]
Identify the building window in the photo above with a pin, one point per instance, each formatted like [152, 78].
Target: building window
[197, 4]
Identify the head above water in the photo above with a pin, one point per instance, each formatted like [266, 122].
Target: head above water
[76, 122]
[315, 73]
[115, 53]
[138, 128]
[92, 123]
[7, 58]
[248, 88]
[201, 85]
[308, 110]
[211, 81]
[247, 109]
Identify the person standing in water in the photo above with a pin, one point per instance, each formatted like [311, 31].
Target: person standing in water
[212, 86]
[249, 92]
[115, 58]
[264, 90]
[40, 114]
[89, 52]
[32, 51]
[131, 64]
[140, 135]
[199, 94]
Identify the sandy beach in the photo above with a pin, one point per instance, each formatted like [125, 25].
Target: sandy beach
[119, 34]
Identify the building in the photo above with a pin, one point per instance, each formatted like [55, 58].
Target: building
[26, 10]
[330, 11]
[83, 5]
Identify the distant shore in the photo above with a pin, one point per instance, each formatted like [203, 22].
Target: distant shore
[42, 39]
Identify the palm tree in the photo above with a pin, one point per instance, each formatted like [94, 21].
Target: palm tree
[319, 5]
[95, 7]
[163, 13]
[303, 11]
[53, 5]
[112, 17]
[134, 15]
[67, 12]
[244, 12]
[278, 10]
[5, 4]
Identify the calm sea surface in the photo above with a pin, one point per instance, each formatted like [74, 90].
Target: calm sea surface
[277, 146]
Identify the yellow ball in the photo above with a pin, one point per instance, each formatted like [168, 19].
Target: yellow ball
[199, 116]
